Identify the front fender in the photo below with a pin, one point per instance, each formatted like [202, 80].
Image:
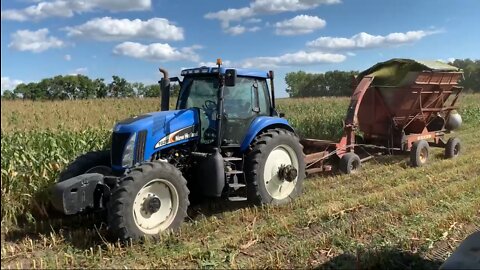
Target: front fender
[262, 123]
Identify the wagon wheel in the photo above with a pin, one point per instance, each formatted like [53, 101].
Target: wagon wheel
[419, 153]
[350, 163]
[453, 147]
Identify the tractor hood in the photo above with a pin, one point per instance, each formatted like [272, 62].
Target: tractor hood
[146, 134]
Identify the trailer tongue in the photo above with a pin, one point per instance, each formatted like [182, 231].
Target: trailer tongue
[398, 106]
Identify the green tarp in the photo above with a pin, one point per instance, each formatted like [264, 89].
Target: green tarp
[401, 72]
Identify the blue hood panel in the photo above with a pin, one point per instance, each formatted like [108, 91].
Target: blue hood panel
[164, 129]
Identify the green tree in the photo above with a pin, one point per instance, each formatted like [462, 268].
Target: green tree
[119, 87]
[8, 95]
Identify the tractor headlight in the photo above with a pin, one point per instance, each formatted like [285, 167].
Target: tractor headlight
[127, 159]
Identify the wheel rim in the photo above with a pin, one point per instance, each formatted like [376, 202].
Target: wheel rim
[354, 166]
[282, 155]
[105, 170]
[423, 155]
[456, 150]
[155, 206]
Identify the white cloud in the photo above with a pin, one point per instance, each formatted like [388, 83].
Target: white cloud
[9, 84]
[67, 57]
[301, 24]
[294, 59]
[80, 71]
[253, 20]
[365, 40]
[265, 7]
[67, 8]
[108, 29]
[34, 41]
[239, 29]
[156, 51]
[225, 63]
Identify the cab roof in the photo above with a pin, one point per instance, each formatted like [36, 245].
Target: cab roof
[240, 72]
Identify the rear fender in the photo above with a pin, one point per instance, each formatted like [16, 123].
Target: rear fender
[260, 124]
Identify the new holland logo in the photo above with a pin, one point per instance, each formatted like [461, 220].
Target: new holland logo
[179, 135]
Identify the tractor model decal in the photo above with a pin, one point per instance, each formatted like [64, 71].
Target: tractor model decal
[179, 135]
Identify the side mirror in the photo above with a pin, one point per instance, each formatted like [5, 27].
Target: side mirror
[230, 77]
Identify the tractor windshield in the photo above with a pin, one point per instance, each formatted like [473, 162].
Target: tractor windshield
[239, 105]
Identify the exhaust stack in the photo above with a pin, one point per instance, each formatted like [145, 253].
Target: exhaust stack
[164, 90]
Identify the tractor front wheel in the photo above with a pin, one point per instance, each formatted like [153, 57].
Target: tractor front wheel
[150, 199]
[419, 153]
[275, 168]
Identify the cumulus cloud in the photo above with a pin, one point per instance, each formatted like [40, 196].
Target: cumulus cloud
[364, 40]
[9, 84]
[67, 8]
[298, 25]
[294, 59]
[34, 41]
[239, 29]
[108, 29]
[67, 57]
[258, 7]
[156, 51]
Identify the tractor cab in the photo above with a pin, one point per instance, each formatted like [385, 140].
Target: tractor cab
[245, 98]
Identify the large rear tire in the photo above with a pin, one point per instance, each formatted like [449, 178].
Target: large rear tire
[150, 199]
[274, 168]
[91, 162]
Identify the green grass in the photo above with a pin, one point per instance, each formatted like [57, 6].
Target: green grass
[387, 216]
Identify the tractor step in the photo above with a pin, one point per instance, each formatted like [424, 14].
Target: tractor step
[232, 158]
[237, 199]
[234, 172]
[236, 185]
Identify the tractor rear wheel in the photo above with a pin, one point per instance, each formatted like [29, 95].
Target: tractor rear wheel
[274, 168]
[91, 162]
[453, 147]
[150, 199]
[419, 153]
[350, 163]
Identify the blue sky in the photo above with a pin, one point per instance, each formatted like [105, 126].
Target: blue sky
[132, 38]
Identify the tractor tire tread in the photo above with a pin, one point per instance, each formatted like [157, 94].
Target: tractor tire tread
[118, 227]
[256, 150]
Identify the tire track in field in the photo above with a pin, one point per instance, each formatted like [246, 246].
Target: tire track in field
[317, 231]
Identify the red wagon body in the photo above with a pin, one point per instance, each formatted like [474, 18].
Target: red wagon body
[397, 106]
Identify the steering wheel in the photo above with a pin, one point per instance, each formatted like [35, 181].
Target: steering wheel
[210, 105]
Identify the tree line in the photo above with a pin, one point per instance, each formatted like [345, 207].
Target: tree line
[82, 87]
[339, 83]
[299, 84]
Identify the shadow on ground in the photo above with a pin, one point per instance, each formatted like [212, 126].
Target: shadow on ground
[389, 258]
[90, 230]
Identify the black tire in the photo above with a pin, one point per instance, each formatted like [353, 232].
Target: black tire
[87, 163]
[255, 161]
[349, 163]
[419, 153]
[121, 221]
[453, 148]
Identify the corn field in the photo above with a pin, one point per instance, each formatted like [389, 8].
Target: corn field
[38, 139]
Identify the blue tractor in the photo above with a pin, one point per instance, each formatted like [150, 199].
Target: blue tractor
[224, 139]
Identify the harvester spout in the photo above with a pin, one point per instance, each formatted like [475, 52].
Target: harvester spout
[164, 90]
